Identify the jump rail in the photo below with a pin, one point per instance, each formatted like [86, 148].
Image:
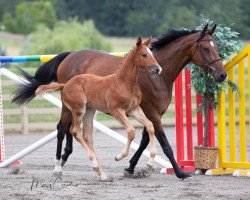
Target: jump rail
[235, 136]
[58, 103]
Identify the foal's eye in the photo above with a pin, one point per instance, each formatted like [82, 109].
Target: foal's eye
[206, 49]
[144, 55]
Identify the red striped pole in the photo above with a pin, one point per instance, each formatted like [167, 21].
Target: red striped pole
[199, 118]
[189, 115]
[179, 119]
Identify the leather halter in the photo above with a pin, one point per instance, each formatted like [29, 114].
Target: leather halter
[207, 66]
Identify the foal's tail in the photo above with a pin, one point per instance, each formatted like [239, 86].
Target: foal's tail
[49, 88]
[45, 74]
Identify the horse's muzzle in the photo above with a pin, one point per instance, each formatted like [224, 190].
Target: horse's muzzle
[155, 69]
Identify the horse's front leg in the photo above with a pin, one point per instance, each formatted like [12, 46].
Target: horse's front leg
[160, 135]
[143, 145]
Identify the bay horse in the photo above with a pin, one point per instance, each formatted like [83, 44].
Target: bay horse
[173, 51]
[117, 94]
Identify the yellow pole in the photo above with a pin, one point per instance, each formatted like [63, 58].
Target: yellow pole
[221, 130]
[242, 120]
[248, 59]
[231, 113]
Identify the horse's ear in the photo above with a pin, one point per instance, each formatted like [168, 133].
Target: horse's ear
[203, 32]
[212, 30]
[148, 41]
[139, 41]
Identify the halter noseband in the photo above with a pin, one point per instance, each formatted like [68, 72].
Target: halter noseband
[207, 67]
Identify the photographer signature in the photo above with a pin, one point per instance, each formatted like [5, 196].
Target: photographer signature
[57, 184]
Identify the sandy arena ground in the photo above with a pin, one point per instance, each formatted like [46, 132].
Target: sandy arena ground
[35, 180]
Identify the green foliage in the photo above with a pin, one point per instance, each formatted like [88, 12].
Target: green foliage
[133, 18]
[65, 36]
[28, 15]
[228, 44]
[177, 16]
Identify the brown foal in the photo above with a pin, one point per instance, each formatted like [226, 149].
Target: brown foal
[117, 94]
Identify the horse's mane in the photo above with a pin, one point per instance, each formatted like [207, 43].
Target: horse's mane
[170, 36]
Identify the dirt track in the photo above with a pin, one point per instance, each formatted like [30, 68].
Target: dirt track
[80, 182]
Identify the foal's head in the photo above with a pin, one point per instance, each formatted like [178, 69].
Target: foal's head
[144, 57]
[205, 54]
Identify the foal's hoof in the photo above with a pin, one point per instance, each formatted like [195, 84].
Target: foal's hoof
[150, 167]
[107, 179]
[55, 173]
[118, 157]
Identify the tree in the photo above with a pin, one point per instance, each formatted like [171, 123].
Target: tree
[26, 20]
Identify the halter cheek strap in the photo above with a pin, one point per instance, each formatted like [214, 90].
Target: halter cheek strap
[207, 66]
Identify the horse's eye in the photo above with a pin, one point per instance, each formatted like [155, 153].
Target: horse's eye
[144, 55]
[206, 49]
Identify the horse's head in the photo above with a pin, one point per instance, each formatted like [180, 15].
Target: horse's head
[205, 54]
[145, 58]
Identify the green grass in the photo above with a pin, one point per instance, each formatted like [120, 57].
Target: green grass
[11, 119]
[44, 118]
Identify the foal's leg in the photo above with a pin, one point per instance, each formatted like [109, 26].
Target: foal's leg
[88, 138]
[77, 114]
[139, 115]
[121, 117]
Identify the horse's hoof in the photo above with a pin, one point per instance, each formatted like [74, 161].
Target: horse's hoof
[128, 174]
[185, 176]
[63, 162]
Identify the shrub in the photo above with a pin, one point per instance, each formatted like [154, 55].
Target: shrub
[65, 36]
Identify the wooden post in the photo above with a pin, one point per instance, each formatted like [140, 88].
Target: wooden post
[24, 120]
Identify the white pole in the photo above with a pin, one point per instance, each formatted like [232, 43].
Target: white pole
[96, 124]
[134, 146]
[29, 149]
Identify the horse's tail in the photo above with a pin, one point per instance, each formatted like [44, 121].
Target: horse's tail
[45, 74]
[49, 88]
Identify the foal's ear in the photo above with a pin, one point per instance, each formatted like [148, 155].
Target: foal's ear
[212, 29]
[139, 41]
[148, 41]
[203, 32]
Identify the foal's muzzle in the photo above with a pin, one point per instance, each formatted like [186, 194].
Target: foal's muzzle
[155, 69]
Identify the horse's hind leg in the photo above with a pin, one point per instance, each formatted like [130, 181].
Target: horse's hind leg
[62, 129]
[121, 117]
[140, 117]
[88, 138]
[69, 146]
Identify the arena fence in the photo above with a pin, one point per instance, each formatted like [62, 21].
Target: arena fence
[233, 133]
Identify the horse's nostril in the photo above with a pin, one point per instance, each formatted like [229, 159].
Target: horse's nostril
[223, 76]
[157, 70]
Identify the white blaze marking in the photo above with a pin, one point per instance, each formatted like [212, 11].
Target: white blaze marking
[149, 51]
[212, 44]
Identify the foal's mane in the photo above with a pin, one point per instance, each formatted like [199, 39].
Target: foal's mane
[170, 36]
